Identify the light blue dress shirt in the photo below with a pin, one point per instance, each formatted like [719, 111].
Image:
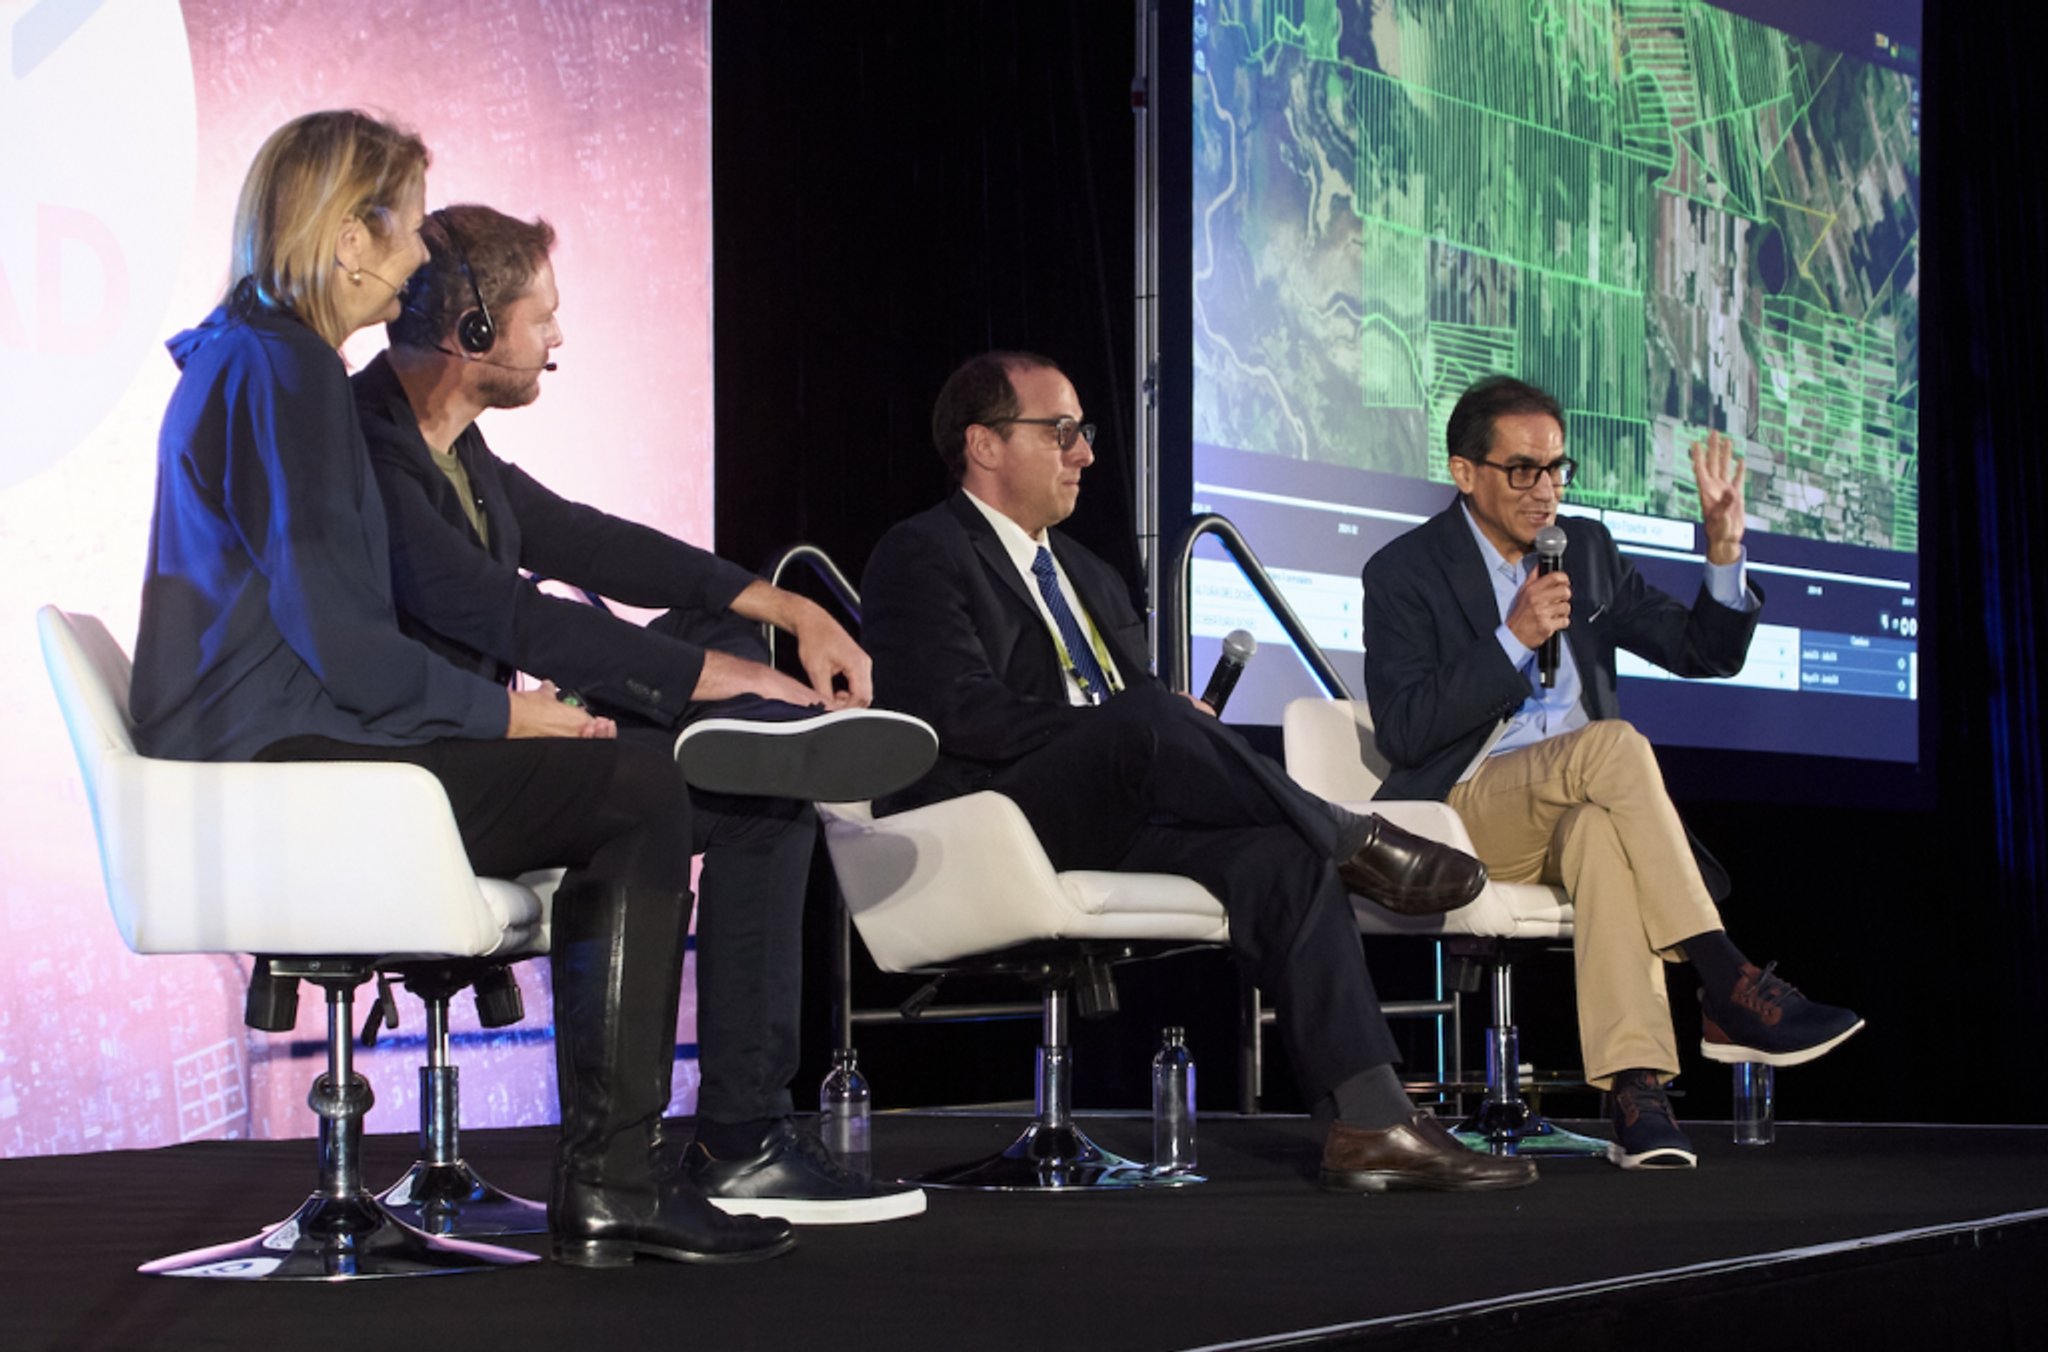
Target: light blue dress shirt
[1548, 713]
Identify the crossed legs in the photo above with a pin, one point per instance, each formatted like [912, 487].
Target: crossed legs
[1588, 810]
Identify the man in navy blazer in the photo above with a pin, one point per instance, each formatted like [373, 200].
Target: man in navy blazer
[475, 334]
[1023, 650]
[1551, 783]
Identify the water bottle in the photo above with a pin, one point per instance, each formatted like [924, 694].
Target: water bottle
[1756, 1118]
[1173, 1105]
[844, 1109]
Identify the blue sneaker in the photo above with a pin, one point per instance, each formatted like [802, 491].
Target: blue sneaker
[1646, 1135]
[1767, 1021]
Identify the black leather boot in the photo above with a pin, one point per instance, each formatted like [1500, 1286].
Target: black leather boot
[617, 965]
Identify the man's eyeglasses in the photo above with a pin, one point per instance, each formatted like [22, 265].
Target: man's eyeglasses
[1064, 430]
[1522, 475]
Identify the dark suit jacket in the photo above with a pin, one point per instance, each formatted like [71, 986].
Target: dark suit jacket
[957, 640]
[1437, 679]
[471, 603]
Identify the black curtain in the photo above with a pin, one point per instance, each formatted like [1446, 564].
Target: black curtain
[899, 186]
[1984, 357]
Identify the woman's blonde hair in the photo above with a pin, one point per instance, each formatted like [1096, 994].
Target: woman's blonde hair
[314, 175]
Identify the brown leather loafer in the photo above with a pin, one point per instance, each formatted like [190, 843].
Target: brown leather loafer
[1418, 1153]
[1410, 875]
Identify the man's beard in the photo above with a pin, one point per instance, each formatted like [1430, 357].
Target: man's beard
[503, 388]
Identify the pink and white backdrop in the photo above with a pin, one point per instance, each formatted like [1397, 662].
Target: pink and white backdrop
[125, 129]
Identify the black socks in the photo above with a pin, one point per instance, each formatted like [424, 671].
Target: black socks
[1718, 962]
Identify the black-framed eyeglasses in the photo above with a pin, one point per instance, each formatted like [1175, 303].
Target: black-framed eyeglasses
[1064, 430]
[1522, 475]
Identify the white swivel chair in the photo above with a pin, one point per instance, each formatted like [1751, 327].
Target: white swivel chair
[277, 861]
[964, 885]
[1331, 752]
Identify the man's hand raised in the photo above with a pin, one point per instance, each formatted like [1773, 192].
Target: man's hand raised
[1719, 476]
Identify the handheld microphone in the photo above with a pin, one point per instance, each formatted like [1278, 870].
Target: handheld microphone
[1550, 543]
[1238, 647]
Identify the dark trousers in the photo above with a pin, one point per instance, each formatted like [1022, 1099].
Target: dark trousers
[750, 907]
[608, 811]
[750, 910]
[1148, 783]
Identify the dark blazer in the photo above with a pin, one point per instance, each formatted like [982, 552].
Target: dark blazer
[1437, 679]
[957, 640]
[470, 602]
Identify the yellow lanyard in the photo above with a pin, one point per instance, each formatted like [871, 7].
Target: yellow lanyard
[1109, 671]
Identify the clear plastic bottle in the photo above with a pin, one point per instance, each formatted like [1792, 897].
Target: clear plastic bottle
[1756, 1120]
[844, 1110]
[1173, 1104]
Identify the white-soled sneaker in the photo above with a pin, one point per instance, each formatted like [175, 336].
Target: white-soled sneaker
[1646, 1134]
[792, 1176]
[841, 757]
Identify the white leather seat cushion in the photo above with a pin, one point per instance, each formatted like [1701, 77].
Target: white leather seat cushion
[968, 876]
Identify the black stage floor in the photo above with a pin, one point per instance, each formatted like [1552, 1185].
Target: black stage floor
[1836, 1236]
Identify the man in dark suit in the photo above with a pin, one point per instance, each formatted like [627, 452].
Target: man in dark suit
[1022, 649]
[475, 334]
[1551, 783]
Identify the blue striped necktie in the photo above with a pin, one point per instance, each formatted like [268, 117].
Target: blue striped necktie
[1080, 652]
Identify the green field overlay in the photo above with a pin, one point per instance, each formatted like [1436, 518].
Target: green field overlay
[1670, 217]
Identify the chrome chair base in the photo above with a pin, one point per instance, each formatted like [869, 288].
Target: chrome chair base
[1054, 1159]
[1514, 1128]
[337, 1239]
[453, 1201]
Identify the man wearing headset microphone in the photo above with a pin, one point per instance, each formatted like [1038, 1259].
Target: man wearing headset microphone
[756, 747]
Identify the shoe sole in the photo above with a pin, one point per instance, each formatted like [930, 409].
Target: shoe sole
[618, 1253]
[893, 1206]
[844, 757]
[1663, 1157]
[1734, 1053]
[1389, 1180]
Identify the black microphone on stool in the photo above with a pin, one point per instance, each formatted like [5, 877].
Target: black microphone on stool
[1238, 647]
[1550, 543]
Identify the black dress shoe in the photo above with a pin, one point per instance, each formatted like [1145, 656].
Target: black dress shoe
[1418, 1153]
[608, 1227]
[1411, 875]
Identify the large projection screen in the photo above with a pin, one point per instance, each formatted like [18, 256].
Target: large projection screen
[1673, 216]
[128, 127]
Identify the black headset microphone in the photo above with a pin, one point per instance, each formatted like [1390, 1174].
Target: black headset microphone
[501, 365]
[1550, 543]
[475, 330]
[1238, 647]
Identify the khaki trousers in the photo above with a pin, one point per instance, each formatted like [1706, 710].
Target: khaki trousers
[1588, 810]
